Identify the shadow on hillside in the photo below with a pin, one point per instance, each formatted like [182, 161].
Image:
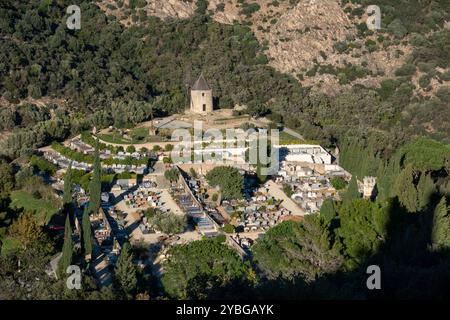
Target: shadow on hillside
[409, 268]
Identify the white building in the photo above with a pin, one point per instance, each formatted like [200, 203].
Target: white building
[310, 153]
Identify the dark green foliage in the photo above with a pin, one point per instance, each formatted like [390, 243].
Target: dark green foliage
[327, 210]
[87, 233]
[352, 191]
[405, 189]
[426, 155]
[67, 196]
[125, 271]
[440, 236]
[293, 249]
[194, 270]
[6, 177]
[426, 189]
[287, 189]
[95, 186]
[172, 174]
[338, 183]
[42, 165]
[228, 228]
[67, 251]
[362, 229]
[230, 181]
[169, 223]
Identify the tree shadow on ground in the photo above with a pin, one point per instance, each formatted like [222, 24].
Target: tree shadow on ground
[410, 268]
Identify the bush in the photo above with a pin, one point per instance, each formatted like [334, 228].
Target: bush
[228, 228]
[406, 70]
[338, 183]
[156, 148]
[229, 180]
[288, 190]
[424, 81]
[169, 223]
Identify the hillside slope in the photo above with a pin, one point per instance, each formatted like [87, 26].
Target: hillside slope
[299, 38]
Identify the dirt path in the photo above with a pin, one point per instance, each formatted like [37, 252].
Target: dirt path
[288, 203]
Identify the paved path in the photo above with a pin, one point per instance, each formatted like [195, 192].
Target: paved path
[276, 191]
[293, 133]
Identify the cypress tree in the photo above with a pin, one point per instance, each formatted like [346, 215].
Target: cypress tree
[327, 211]
[425, 190]
[95, 186]
[67, 197]
[125, 271]
[405, 189]
[67, 250]
[440, 235]
[87, 239]
[352, 190]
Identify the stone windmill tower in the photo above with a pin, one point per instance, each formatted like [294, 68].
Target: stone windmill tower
[201, 97]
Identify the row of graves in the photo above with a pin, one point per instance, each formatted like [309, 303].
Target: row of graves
[309, 193]
[64, 162]
[244, 242]
[185, 196]
[143, 198]
[257, 214]
[102, 228]
[310, 183]
[107, 233]
[80, 146]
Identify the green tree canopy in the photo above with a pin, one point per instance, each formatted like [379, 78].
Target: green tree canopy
[230, 181]
[67, 251]
[205, 259]
[95, 186]
[305, 249]
[125, 271]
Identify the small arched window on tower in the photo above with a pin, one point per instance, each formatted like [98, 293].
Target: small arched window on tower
[203, 94]
[204, 107]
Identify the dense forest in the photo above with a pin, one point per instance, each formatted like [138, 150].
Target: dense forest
[115, 75]
[56, 82]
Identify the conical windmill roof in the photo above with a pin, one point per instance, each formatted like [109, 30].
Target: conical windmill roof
[201, 84]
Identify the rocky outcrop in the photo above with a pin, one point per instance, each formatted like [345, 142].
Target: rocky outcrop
[297, 37]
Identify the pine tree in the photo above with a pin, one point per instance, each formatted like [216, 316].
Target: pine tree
[352, 190]
[125, 271]
[67, 197]
[87, 239]
[425, 190]
[95, 186]
[440, 235]
[67, 250]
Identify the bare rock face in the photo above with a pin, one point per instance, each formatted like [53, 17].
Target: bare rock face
[170, 8]
[300, 34]
[297, 37]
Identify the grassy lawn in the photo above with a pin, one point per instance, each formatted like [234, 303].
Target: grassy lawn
[43, 208]
[114, 138]
[286, 138]
[8, 245]
[137, 136]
